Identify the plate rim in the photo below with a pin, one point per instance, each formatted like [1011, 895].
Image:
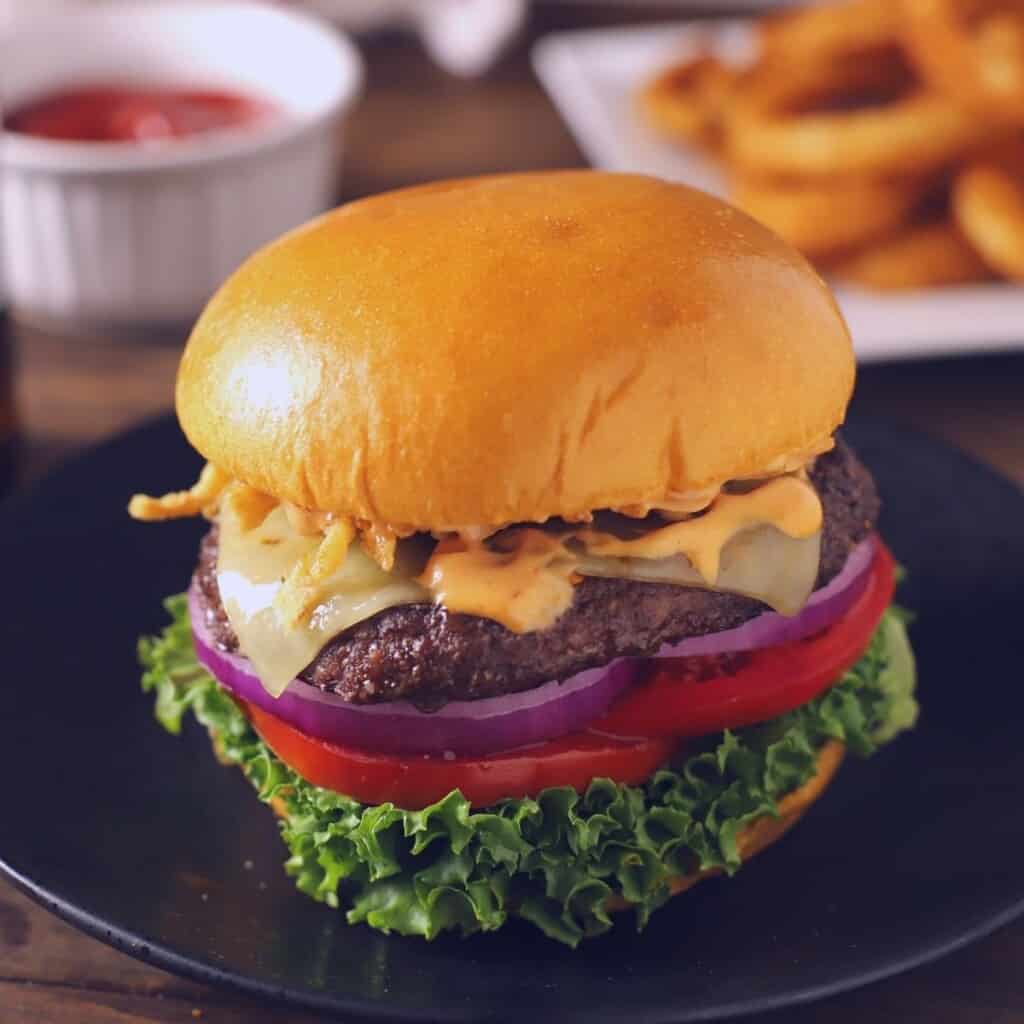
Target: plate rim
[157, 954]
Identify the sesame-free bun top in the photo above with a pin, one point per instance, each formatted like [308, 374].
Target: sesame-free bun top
[510, 348]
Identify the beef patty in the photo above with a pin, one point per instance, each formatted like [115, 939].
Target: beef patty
[424, 653]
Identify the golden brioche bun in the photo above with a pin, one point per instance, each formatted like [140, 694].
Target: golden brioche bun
[512, 348]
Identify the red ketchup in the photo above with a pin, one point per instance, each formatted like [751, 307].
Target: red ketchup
[132, 113]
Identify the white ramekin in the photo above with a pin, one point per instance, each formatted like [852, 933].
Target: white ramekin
[123, 234]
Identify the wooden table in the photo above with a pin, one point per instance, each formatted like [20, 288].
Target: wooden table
[416, 124]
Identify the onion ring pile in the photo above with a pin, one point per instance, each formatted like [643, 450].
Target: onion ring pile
[863, 133]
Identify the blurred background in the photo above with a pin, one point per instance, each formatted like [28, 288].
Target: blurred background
[149, 146]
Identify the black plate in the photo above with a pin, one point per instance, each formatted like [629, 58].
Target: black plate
[143, 841]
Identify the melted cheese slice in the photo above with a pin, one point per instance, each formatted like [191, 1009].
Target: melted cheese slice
[252, 566]
[788, 503]
[764, 544]
[762, 563]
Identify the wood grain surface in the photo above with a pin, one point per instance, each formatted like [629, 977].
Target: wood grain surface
[414, 124]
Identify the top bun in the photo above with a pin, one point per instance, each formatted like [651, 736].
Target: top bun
[510, 348]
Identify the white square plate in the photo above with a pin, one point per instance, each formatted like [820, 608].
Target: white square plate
[593, 76]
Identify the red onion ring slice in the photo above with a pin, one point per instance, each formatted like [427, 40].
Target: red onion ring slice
[460, 727]
[770, 628]
[502, 723]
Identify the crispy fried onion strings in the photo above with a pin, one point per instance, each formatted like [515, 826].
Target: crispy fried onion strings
[202, 498]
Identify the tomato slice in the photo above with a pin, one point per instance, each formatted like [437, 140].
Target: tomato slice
[679, 700]
[414, 781]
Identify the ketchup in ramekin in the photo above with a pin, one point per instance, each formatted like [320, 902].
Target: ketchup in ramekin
[133, 113]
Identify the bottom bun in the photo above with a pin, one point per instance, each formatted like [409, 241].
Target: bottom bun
[762, 832]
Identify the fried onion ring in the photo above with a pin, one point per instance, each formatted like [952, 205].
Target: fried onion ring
[988, 200]
[857, 27]
[922, 256]
[972, 50]
[844, 117]
[824, 217]
[686, 100]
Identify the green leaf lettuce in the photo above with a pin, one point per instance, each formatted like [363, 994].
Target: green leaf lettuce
[554, 860]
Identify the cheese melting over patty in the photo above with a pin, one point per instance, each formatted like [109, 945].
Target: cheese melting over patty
[291, 580]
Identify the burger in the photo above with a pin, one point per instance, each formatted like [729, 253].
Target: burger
[538, 580]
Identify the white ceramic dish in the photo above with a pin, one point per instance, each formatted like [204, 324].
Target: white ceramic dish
[118, 234]
[593, 76]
